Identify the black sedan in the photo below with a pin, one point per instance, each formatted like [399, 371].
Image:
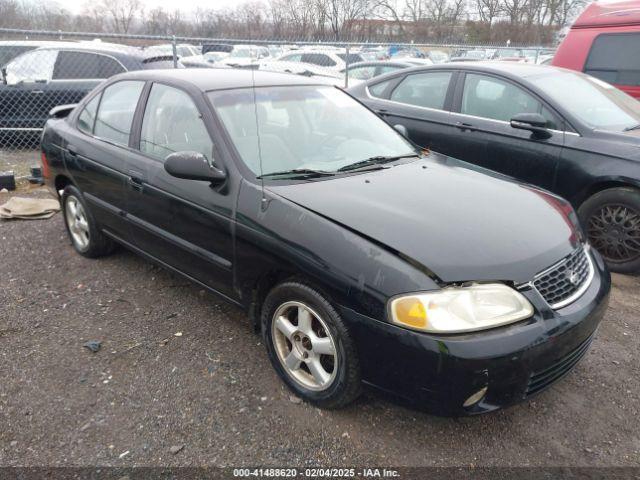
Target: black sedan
[359, 259]
[57, 74]
[561, 130]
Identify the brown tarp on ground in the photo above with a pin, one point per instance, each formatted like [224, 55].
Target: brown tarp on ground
[29, 208]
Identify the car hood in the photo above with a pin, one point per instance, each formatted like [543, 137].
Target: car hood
[455, 220]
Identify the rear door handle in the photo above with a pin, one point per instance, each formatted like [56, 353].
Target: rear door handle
[465, 126]
[72, 151]
[37, 92]
[381, 111]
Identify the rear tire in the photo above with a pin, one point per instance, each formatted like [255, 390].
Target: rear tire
[611, 219]
[309, 346]
[86, 237]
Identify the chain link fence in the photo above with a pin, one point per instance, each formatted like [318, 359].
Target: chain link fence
[44, 69]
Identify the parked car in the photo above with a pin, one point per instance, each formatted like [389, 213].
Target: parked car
[437, 56]
[330, 60]
[560, 130]
[183, 50]
[604, 42]
[358, 258]
[245, 56]
[10, 49]
[38, 80]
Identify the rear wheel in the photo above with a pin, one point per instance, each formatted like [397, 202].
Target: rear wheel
[309, 345]
[83, 231]
[611, 219]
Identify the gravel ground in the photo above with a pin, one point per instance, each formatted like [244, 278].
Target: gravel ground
[178, 367]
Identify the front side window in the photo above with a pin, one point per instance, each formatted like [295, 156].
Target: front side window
[489, 97]
[303, 127]
[87, 118]
[172, 123]
[84, 65]
[614, 58]
[34, 66]
[116, 111]
[423, 90]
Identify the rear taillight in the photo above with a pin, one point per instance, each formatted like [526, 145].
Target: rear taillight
[45, 165]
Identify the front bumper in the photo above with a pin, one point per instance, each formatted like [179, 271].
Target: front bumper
[515, 362]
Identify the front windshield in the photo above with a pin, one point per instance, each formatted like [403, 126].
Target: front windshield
[304, 127]
[596, 103]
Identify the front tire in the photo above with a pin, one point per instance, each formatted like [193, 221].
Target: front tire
[309, 346]
[611, 219]
[82, 228]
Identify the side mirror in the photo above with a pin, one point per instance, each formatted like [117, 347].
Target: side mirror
[534, 122]
[192, 166]
[402, 130]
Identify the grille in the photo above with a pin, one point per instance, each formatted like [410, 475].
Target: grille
[543, 378]
[565, 281]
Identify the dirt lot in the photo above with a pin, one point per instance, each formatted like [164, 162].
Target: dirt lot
[212, 389]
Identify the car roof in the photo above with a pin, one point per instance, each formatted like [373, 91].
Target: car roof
[600, 14]
[509, 69]
[100, 47]
[220, 79]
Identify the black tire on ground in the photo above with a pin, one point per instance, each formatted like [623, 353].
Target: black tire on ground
[98, 244]
[345, 385]
[611, 220]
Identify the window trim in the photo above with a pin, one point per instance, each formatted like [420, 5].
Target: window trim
[98, 95]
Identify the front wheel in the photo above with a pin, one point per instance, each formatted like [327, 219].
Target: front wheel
[309, 345]
[611, 219]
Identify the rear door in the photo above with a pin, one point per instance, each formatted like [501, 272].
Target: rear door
[95, 154]
[186, 224]
[419, 101]
[483, 109]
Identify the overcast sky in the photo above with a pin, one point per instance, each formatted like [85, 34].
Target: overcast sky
[76, 6]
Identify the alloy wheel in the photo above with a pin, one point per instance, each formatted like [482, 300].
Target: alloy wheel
[614, 230]
[304, 345]
[77, 222]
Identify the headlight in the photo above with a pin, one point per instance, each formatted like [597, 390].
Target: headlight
[460, 309]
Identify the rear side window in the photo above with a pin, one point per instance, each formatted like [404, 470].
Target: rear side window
[87, 118]
[423, 90]
[115, 114]
[318, 59]
[614, 58]
[172, 123]
[85, 65]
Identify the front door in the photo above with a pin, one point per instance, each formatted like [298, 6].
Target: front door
[186, 224]
[484, 110]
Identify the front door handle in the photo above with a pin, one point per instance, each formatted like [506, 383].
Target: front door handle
[135, 180]
[465, 126]
[381, 111]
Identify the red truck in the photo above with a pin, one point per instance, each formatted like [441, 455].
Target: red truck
[605, 42]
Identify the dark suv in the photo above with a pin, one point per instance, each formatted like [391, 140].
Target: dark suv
[38, 80]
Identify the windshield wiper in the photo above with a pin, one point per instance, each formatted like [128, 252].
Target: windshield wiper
[298, 172]
[378, 160]
[632, 127]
